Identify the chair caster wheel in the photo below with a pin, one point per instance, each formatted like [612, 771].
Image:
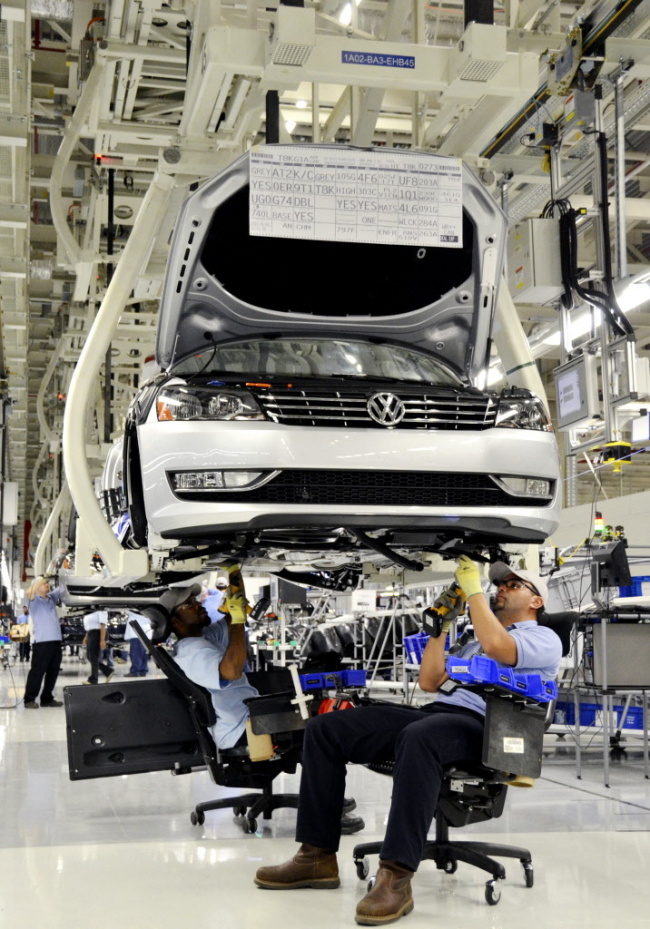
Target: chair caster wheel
[249, 825]
[363, 868]
[197, 819]
[239, 811]
[450, 867]
[492, 892]
[529, 874]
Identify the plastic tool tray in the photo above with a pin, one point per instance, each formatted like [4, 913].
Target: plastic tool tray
[486, 671]
[332, 680]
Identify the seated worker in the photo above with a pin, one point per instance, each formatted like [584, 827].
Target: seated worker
[214, 656]
[422, 742]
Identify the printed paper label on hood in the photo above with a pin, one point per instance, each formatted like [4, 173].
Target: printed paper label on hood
[348, 196]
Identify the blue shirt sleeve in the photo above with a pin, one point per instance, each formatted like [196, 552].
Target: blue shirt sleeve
[55, 595]
[537, 648]
[202, 666]
[217, 634]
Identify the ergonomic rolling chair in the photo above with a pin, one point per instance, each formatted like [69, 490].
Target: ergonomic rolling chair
[233, 767]
[475, 792]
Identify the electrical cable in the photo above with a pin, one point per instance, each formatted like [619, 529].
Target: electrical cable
[215, 345]
[605, 302]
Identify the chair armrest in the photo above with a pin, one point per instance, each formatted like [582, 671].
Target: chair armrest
[274, 713]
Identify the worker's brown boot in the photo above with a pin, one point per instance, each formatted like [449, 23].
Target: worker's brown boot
[310, 867]
[389, 898]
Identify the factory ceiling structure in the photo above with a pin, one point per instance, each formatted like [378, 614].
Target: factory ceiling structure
[97, 100]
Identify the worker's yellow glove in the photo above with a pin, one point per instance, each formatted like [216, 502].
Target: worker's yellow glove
[468, 576]
[236, 602]
[451, 603]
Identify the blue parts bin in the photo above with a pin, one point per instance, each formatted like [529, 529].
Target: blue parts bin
[486, 671]
[414, 646]
[591, 714]
[635, 589]
[331, 680]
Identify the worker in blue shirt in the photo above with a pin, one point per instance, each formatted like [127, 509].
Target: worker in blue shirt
[137, 652]
[214, 655]
[47, 648]
[24, 646]
[422, 742]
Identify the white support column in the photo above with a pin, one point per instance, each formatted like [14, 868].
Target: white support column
[120, 562]
[40, 558]
[71, 136]
[512, 344]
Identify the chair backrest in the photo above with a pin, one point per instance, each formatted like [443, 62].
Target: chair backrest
[198, 696]
[226, 769]
[562, 624]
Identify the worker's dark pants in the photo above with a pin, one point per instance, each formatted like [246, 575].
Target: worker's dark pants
[422, 742]
[139, 658]
[93, 638]
[46, 661]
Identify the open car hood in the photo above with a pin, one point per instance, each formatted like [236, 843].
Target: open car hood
[222, 283]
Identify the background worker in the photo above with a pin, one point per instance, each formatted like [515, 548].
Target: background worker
[47, 646]
[422, 742]
[137, 651]
[213, 598]
[95, 624]
[24, 643]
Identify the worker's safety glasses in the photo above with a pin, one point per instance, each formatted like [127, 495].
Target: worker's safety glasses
[514, 584]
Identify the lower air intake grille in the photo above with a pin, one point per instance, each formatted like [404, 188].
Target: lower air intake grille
[372, 488]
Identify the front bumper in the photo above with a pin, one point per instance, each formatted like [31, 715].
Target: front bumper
[366, 465]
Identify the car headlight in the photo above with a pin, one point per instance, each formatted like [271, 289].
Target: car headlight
[200, 403]
[523, 413]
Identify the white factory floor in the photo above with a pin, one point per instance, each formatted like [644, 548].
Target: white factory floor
[121, 851]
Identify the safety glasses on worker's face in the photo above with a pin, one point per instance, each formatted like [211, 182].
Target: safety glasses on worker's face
[514, 583]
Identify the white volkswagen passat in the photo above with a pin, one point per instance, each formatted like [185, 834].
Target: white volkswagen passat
[317, 396]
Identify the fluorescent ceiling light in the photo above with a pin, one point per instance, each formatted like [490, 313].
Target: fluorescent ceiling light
[345, 16]
[633, 291]
[290, 125]
[301, 104]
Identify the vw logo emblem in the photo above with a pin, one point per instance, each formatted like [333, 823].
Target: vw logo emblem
[386, 409]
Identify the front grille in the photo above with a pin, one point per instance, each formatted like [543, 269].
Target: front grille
[371, 488]
[328, 407]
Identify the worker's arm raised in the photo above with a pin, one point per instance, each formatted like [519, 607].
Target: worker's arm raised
[438, 620]
[234, 660]
[495, 641]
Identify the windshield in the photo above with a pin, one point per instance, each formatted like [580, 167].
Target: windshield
[268, 358]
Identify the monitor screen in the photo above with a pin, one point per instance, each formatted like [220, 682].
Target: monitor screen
[610, 567]
[576, 392]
